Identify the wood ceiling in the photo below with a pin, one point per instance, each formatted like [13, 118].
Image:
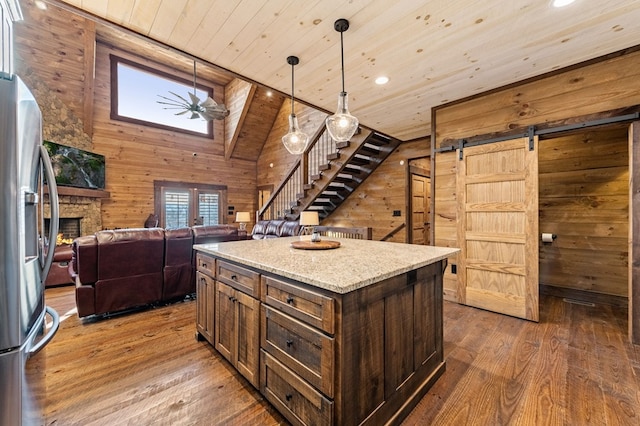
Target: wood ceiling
[434, 51]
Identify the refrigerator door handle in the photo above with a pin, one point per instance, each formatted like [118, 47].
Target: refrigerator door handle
[55, 211]
[52, 332]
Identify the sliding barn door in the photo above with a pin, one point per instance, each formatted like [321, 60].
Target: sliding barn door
[497, 191]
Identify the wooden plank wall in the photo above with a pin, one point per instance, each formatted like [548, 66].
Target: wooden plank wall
[138, 155]
[52, 59]
[596, 87]
[238, 95]
[264, 106]
[275, 161]
[372, 204]
[584, 200]
[385, 190]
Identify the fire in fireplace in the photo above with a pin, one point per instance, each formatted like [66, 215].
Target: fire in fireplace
[68, 229]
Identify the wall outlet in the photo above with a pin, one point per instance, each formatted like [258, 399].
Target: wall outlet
[397, 213]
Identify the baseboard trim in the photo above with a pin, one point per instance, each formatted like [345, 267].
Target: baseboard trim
[584, 296]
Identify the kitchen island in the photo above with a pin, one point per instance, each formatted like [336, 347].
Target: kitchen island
[345, 336]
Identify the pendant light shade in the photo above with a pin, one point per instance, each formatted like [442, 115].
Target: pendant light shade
[342, 125]
[295, 141]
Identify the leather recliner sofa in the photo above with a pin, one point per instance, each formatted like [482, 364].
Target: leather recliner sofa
[116, 270]
[275, 228]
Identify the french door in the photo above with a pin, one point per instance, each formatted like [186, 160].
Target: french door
[497, 192]
[182, 205]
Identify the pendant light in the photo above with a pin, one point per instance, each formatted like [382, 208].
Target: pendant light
[342, 125]
[295, 141]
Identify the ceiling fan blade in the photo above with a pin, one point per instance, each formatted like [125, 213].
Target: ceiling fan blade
[195, 115]
[173, 106]
[194, 99]
[220, 115]
[214, 114]
[218, 112]
[183, 99]
[181, 113]
[172, 102]
[209, 103]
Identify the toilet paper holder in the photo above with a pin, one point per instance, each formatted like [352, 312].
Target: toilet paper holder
[548, 238]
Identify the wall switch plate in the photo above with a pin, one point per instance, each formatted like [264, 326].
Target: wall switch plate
[454, 269]
[397, 213]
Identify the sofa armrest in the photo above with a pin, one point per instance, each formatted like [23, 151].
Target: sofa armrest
[84, 259]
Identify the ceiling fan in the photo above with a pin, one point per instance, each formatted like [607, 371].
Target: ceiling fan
[208, 110]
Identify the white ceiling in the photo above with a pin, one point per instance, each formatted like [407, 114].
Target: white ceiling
[434, 51]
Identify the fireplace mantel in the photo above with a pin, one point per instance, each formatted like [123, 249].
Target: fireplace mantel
[80, 192]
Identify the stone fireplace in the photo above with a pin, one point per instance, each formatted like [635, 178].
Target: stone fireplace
[80, 210]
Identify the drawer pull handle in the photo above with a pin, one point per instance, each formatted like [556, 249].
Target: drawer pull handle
[289, 343]
[290, 300]
[288, 396]
[233, 299]
[204, 265]
[234, 277]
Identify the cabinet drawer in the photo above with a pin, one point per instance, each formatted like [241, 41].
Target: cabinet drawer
[245, 280]
[305, 350]
[313, 308]
[294, 398]
[206, 264]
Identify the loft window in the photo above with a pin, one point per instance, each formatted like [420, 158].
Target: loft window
[134, 98]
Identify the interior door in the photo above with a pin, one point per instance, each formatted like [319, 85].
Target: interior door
[634, 233]
[420, 202]
[264, 193]
[497, 191]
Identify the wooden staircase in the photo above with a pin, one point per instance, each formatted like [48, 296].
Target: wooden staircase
[327, 173]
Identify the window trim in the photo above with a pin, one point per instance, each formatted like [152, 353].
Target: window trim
[115, 60]
[194, 189]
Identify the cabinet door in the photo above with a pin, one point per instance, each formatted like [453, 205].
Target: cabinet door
[225, 324]
[205, 296]
[248, 337]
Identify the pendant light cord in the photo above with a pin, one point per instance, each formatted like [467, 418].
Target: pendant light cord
[342, 59]
[194, 78]
[292, 68]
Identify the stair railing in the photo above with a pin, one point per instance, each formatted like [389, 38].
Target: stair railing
[285, 197]
[394, 231]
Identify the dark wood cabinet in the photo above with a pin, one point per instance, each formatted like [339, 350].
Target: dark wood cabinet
[364, 357]
[236, 330]
[228, 313]
[205, 309]
[327, 356]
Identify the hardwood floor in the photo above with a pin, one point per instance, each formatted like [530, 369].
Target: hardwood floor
[575, 367]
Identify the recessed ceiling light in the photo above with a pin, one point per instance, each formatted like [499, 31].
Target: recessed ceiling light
[269, 93]
[41, 5]
[383, 79]
[561, 3]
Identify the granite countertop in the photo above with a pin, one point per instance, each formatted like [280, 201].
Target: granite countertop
[355, 264]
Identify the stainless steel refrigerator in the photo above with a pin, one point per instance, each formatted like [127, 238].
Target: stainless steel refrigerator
[24, 259]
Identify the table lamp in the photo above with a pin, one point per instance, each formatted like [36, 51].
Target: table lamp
[308, 220]
[242, 218]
